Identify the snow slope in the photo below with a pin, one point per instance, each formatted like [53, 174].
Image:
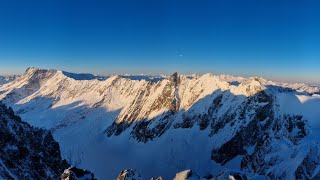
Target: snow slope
[172, 124]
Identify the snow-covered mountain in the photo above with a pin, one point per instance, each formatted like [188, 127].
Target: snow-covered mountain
[6, 79]
[207, 123]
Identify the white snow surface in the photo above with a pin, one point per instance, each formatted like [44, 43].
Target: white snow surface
[185, 175]
[305, 105]
[79, 111]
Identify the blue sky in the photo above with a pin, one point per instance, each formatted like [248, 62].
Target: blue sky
[275, 39]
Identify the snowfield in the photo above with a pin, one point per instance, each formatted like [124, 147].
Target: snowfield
[306, 105]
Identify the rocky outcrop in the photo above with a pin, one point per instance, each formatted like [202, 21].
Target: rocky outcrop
[256, 140]
[27, 152]
[129, 174]
[308, 169]
[186, 175]
[224, 175]
[73, 173]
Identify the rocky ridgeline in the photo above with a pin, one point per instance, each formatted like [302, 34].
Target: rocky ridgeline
[131, 174]
[73, 173]
[27, 152]
[244, 117]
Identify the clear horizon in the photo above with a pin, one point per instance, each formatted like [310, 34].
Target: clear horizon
[275, 40]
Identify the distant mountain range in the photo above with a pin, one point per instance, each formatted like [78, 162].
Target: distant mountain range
[216, 125]
[7, 79]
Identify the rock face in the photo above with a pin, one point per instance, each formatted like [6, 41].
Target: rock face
[27, 152]
[129, 174]
[270, 129]
[224, 175]
[73, 173]
[186, 175]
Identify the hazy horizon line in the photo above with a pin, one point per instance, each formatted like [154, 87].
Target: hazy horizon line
[241, 75]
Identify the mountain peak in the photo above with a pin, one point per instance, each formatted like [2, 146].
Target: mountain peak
[232, 120]
[31, 69]
[174, 77]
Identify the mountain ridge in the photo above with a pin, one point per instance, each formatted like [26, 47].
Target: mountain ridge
[218, 112]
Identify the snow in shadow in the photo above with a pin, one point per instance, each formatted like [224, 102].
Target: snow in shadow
[84, 76]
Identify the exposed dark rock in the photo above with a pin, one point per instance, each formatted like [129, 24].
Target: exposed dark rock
[27, 152]
[249, 134]
[129, 174]
[169, 99]
[310, 163]
[143, 133]
[73, 173]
